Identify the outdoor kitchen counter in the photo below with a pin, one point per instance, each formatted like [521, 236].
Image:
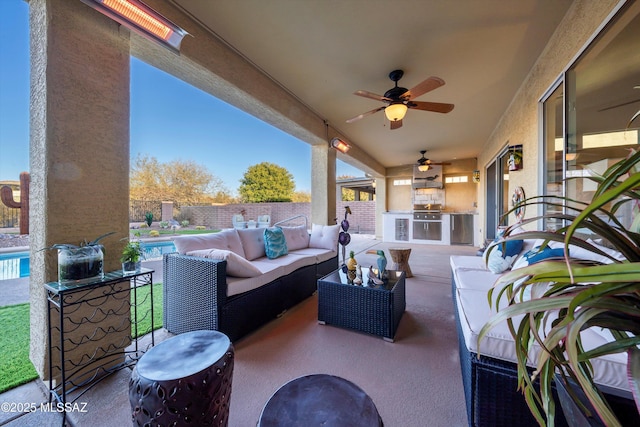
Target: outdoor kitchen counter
[398, 227]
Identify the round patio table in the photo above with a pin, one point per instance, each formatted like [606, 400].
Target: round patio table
[320, 400]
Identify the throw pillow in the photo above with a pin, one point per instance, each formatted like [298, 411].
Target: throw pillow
[236, 265]
[502, 255]
[533, 256]
[275, 244]
[252, 242]
[324, 237]
[225, 239]
[296, 237]
[537, 254]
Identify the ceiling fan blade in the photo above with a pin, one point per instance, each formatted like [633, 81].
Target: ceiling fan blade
[396, 124]
[371, 95]
[421, 88]
[438, 107]
[368, 113]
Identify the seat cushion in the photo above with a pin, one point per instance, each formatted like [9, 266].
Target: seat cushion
[474, 312]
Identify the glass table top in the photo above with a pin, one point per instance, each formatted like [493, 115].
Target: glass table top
[349, 278]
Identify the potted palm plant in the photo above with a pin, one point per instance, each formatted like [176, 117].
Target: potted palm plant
[570, 295]
[131, 257]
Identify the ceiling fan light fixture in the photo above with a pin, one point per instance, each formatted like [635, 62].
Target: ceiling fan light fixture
[424, 167]
[340, 145]
[395, 112]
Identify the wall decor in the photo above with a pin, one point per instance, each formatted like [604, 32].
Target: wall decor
[514, 159]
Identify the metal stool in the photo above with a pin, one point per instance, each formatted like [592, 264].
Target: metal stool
[185, 380]
[400, 256]
[320, 400]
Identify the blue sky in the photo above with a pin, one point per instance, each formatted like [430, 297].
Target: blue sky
[198, 127]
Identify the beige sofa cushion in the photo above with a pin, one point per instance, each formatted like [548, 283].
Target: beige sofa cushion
[252, 242]
[296, 237]
[236, 265]
[225, 239]
[324, 236]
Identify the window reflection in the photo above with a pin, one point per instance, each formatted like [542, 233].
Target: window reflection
[585, 117]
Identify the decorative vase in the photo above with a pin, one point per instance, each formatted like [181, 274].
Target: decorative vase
[81, 263]
[131, 267]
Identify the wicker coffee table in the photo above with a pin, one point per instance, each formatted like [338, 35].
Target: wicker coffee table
[369, 308]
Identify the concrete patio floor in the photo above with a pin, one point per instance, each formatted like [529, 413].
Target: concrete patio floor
[107, 401]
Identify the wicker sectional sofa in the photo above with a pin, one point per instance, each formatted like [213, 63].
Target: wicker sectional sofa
[226, 282]
[490, 381]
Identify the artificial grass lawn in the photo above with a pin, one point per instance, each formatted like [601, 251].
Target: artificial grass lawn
[16, 368]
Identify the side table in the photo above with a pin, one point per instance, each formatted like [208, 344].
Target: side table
[400, 257]
[185, 380]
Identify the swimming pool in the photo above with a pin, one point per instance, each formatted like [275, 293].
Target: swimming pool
[14, 265]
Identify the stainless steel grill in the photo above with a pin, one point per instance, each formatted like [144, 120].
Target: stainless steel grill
[427, 222]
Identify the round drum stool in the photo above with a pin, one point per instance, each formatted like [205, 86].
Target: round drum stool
[185, 380]
[400, 256]
[320, 400]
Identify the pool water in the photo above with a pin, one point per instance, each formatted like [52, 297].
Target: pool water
[14, 265]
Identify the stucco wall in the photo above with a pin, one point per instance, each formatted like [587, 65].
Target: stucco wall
[520, 124]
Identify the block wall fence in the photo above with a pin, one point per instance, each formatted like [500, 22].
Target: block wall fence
[362, 219]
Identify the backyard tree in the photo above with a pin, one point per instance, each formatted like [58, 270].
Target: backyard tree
[266, 182]
[348, 195]
[182, 181]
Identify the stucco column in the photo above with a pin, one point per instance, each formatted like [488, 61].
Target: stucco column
[323, 184]
[79, 157]
[381, 204]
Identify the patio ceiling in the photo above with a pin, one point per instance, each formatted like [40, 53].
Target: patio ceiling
[322, 51]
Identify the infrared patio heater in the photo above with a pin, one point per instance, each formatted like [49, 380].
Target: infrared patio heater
[140, 18]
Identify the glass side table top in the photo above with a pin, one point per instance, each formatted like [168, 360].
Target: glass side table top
[338, 276]
[109, 277]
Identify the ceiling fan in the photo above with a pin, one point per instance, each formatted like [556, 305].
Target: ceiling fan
[399, 99]
[425, 164]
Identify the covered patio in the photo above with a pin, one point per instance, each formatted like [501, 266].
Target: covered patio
[79, 160]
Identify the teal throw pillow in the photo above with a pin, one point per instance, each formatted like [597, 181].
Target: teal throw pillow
[275, 244]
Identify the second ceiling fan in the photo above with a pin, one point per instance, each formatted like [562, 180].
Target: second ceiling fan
[399, 99]
[425, 164]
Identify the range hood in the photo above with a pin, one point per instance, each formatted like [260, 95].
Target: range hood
[428, 179]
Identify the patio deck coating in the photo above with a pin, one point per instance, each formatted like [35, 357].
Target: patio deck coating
[107, 402]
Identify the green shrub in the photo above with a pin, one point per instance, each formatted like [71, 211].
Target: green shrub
[164, 224]
[185, 223]
[154, 233]
[200, 227]
[148, 218]
[144, 225]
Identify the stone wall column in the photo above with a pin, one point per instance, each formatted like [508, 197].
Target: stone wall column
[79, 158]
[323, 184]
[167, 211]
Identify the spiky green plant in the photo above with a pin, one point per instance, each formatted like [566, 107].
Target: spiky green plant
[577, 294]
[148, 218]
